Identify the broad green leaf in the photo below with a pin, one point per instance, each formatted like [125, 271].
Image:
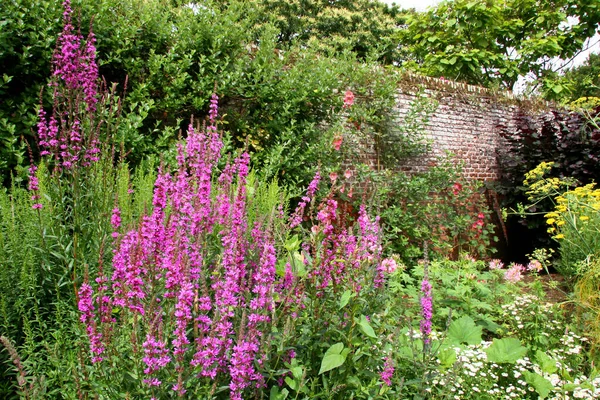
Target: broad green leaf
[546, 363]
[346, 296]
[299, 264]
[333, 358]
[366, 328]
[542, 386]
[464, 330]
[292, 244]
[507, 350]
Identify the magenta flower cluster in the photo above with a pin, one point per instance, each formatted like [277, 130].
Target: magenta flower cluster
[388, 371]
[166, 276]
[68, 135]
[345, 257]
[426, 310]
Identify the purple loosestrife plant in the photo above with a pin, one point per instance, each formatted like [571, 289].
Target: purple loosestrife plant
[426, 310]
[69, 137]
[198, 283]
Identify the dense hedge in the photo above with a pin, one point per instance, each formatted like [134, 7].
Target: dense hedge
[167, 58]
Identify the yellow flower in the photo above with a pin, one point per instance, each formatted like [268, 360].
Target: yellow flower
[550, 221]
[584, 218]
[559, 236]
[551, 230]
[560, 223]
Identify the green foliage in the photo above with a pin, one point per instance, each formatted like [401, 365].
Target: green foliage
[277, 99]
[334, 357]
[507, 350]
[588, 299]
[28, 31]
[364, 27]
[464, 330]
[491, 43]
[437, 205]
[579, 82]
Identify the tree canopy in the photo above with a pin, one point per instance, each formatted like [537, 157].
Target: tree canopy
[365, 27]
[580, 82]
[492, 43]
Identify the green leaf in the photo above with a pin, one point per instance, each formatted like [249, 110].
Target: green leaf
[291, 383]
[346, 296]
[546, 363]
[464, 330]
[447, 357]
[297, 372]
[276, 395]
[507, 350]
[292, 244]
[333, 358]
[366, 328]
[541, 385]
[299, 266]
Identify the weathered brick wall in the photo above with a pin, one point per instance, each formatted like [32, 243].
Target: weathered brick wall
[466, 123]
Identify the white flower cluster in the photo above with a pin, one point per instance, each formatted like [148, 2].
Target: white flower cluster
[473, 374]
[586, 389]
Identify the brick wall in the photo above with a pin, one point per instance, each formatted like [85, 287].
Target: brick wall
[467, 122]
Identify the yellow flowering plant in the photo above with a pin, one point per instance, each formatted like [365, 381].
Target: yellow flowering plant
[575, 220]
[575, 223]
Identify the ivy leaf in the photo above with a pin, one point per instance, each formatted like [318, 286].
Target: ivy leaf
[542, 386]
[366, 327]
[507, 350]
[464, 330]
[333, 358]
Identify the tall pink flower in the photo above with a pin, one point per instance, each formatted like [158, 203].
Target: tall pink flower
[388, 371]
[426, 310]
[88, 316]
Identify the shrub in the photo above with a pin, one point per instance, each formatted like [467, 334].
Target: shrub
[570, 140]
